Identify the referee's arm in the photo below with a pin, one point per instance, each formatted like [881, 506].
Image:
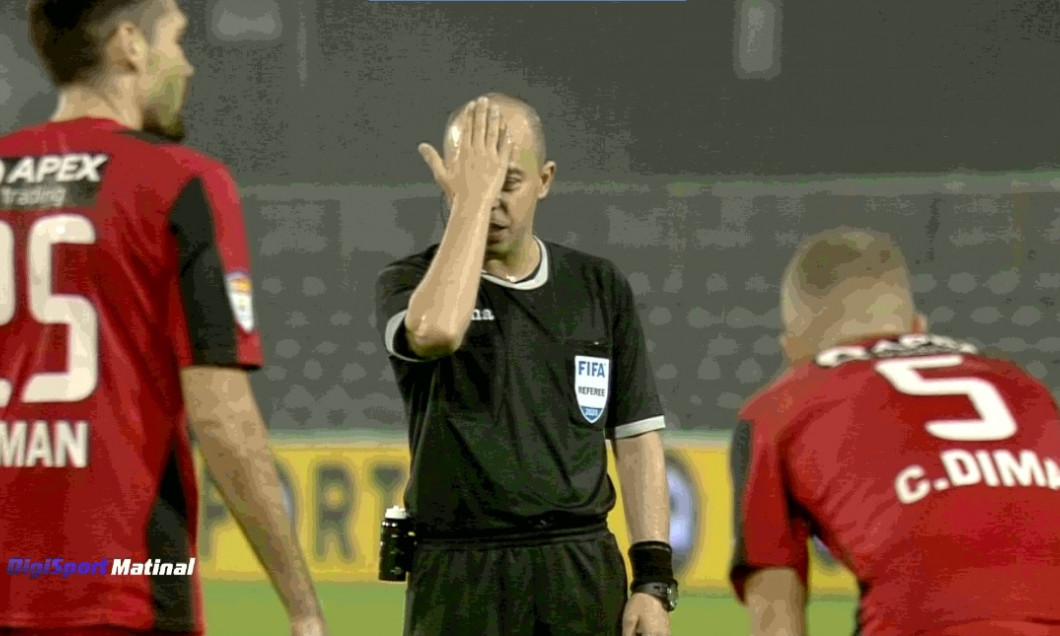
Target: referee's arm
[634, 423]
[423, 307]
[439, 311]
[641, 470]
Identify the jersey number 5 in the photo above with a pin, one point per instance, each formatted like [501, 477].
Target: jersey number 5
[995, 419]
[76, 312]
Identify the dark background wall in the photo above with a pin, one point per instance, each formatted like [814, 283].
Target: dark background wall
[696, 182]
[702, 259]
[625, 88]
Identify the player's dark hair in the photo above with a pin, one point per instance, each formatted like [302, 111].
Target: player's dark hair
[69, 35]
[827, 259]
[536, 127]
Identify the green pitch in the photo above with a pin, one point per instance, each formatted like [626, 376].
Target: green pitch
[252, 609]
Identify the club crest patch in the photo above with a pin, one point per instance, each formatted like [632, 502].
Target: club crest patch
[239, 294]
[591, 382]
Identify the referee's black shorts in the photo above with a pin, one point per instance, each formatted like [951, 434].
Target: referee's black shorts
[570, 583]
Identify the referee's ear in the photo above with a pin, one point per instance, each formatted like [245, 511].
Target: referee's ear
[547, 175]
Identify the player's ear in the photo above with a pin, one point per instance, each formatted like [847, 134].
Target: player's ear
[548, 173]
[920, 323]
[129, 47]
[792, 346]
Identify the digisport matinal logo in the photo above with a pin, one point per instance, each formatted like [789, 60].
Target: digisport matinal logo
[64, 568]
[56, 567]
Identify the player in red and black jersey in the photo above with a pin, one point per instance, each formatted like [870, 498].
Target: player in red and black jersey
[125, 307]
[931, 471]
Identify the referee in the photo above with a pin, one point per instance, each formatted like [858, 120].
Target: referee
[517, 358]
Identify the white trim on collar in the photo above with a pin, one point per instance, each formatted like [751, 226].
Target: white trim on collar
[538, 279]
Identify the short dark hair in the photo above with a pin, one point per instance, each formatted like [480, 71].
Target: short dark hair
[831, 257]
[536, 127]
[829, 260]
[69, 34]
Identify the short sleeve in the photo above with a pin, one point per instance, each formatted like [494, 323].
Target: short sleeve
[767, 531]
[216, 321]
[393, 288]
[636, 408]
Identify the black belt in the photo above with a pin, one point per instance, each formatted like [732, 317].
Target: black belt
[533, 532]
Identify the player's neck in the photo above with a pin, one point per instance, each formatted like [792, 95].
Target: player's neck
[78, 101]
[518, 263]
[851, 332]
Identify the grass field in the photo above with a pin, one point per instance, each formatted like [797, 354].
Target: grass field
[252, 609]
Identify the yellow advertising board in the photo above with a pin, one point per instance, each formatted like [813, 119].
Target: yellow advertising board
[337, 493]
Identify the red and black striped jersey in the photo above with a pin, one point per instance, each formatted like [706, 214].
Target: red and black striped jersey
[123, 258]
[931, 471]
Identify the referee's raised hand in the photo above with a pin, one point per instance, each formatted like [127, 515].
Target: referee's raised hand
[476, 166]
[478, 150]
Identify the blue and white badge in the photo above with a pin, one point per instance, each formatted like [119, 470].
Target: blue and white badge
[591, 382]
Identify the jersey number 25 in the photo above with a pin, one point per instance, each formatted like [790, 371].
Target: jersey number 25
[995, 420]
[47, 308]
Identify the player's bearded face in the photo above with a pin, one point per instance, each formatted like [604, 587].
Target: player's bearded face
[165, 100]
[167, 85]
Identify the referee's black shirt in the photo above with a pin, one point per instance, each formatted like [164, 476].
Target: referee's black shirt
[509, 431]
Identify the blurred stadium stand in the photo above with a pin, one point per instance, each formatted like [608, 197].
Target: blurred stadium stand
[703, 260]
[334, 92]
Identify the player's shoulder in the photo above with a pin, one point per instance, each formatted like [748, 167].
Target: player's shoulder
[798, 389]
[159, 150]
[19, 135]
[840, 373]
[152, 154]
[1016, 378]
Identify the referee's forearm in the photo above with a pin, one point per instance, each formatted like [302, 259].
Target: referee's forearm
[641, 467]
[244, 470]
[440, 309]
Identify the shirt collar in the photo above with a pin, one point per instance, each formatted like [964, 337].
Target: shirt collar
[539, 277]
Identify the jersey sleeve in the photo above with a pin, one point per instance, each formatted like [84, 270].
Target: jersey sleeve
[768, 532]
[216, 322]
[636, 408]
[393, 289]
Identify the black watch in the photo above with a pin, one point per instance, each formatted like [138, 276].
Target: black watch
[665, 592]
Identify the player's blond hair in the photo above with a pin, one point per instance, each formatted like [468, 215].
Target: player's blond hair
[844, 271]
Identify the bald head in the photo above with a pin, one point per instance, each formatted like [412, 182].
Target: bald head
[513, 106]
[846, 275]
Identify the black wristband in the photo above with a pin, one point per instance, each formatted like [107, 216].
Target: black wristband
[652, 562]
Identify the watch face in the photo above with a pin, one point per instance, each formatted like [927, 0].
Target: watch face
[671, 596]
[665, 592]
